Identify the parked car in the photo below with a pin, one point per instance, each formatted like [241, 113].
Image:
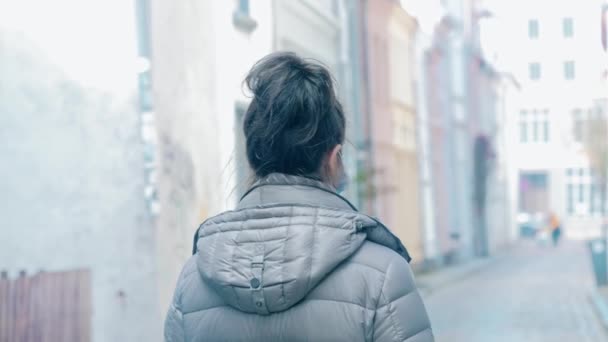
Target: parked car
[531, 225]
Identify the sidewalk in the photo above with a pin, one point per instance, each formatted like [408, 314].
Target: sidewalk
[529, 293]
[599, 299]
[429, 282]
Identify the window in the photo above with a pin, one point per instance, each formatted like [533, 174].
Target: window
[596, 112]
[241, 17]
[570, 199]
[600, 110]
[545, 126]
[569, 70]
[580, 192]
[535, 125]
[243, 6]
[534, 71]
[568, 27]
[592, 198]
[533, 194]
[523, 126]
[533, 29]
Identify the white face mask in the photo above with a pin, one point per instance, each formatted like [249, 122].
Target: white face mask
[343, 178]
[342, 183]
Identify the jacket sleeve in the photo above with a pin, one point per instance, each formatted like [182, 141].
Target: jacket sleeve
[174, 325]
[400, 313]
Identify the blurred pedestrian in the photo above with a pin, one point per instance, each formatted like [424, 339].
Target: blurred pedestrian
[556, 229]
[296, 261]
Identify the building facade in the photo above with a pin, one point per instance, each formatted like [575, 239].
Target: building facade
[555, 51]
[461, 133]
[201, 53]
[423, 128]
[449, 119]
[390, 40]
[72, 197]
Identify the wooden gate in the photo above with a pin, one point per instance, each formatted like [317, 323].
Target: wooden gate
[46, 307]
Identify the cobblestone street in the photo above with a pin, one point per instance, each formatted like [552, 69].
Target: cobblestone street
[534, 294]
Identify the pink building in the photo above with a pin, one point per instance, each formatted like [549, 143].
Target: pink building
[392, 120]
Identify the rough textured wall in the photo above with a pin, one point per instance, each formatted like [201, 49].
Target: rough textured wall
[71, 191]
[190, 169]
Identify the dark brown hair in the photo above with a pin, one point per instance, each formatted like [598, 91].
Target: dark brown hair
[294, 118]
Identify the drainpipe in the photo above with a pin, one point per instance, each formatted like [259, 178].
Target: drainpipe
[424, 153]
[351, 90]
[372, 203]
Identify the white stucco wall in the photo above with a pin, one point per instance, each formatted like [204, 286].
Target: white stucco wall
[514, 50]
[199, 61]
[71, 181]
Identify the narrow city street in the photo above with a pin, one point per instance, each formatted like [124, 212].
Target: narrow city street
[533, 294]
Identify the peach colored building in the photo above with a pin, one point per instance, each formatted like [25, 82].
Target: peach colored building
[392, 121]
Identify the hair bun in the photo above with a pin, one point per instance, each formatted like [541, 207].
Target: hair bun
[294, 116]
[277, 68]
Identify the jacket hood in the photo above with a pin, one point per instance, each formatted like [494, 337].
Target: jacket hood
[285, 236]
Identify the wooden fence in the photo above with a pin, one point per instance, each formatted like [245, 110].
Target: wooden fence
[46, 307]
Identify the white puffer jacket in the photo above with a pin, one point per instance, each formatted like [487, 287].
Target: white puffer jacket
[296, 262]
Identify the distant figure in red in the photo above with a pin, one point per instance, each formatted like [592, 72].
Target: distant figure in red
[556, 229]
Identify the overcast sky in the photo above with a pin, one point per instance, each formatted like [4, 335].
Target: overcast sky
[93, 41]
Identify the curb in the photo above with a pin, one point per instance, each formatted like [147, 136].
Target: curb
[601, 307]
[427, 286]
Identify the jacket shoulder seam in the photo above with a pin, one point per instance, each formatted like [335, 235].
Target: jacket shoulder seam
[306, 300]
[395, 299]
[179, 315]
[205, 235]
[390, 310]
[368, 266]
[392, 257]
[397, 332]
[183, 283]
